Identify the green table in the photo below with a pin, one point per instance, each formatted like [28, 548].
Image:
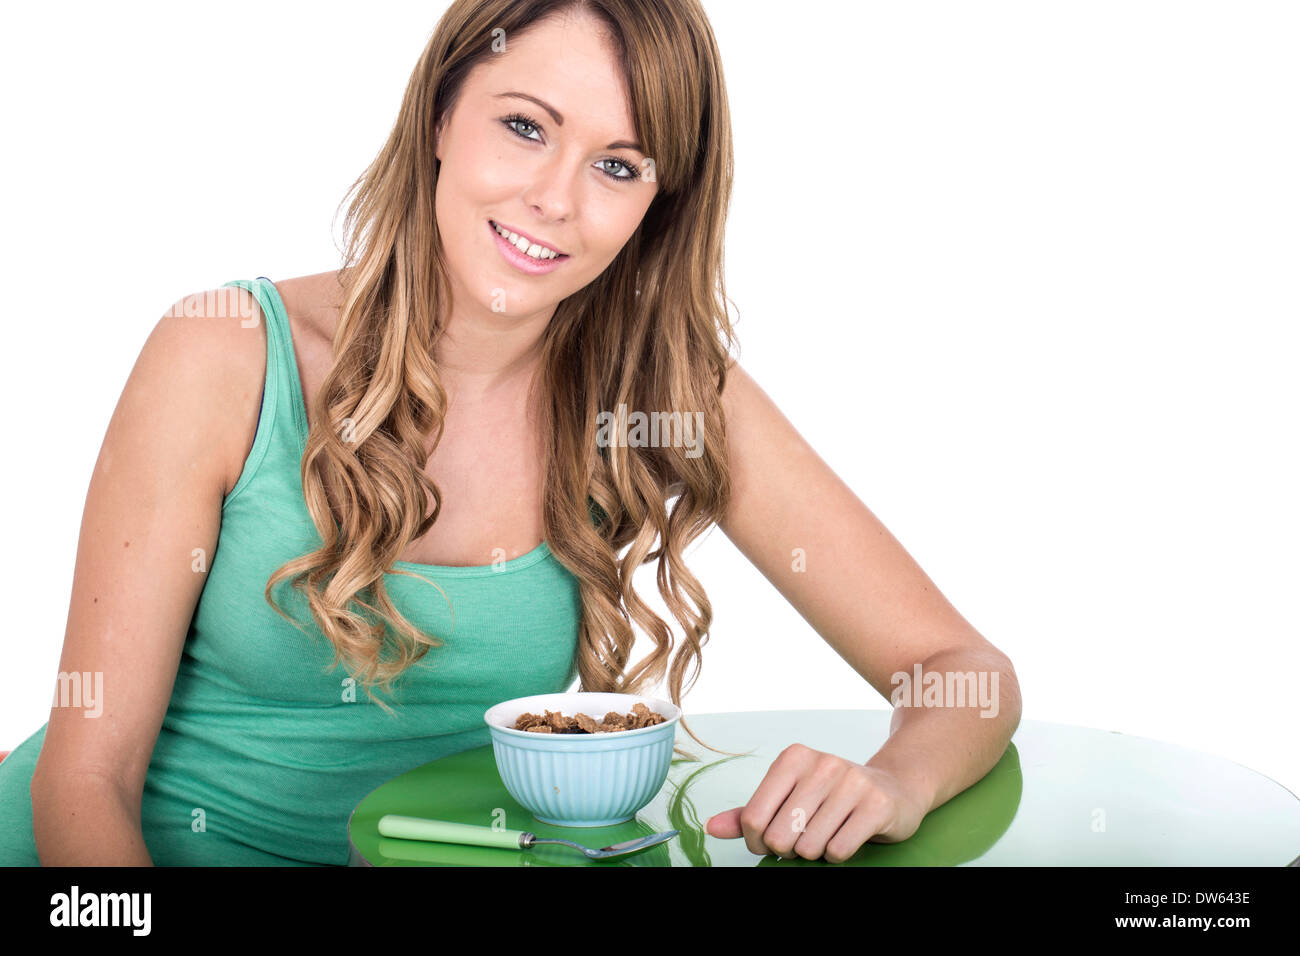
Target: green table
[1061, 795]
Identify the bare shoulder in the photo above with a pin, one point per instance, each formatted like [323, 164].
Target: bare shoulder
[750, 413]
[739, 390]
[215, 340]
[218, 336]
[312, 304]
[767, 457]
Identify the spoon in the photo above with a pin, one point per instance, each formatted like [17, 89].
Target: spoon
[443, 831]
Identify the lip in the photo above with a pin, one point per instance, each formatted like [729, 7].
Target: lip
[531, 239]
[518, 259]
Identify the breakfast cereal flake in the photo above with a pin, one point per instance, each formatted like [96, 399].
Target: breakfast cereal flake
[554, 722]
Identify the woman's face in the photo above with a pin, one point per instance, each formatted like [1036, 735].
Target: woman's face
[570, 176]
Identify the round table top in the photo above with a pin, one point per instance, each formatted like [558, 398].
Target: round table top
[1060, 796]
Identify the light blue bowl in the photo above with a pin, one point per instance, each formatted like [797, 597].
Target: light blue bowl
[582, 780]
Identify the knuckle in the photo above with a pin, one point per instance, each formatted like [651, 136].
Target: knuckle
[874, 798]
[838, 853]
[828, 767]
[808, 849]
[778, 840]
[858, 783]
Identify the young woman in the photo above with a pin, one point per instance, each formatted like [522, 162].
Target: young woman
[404, 467]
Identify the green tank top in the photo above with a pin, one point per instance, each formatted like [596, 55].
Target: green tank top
[264, 749]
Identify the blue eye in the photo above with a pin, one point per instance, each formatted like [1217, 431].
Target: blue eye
[523, 120]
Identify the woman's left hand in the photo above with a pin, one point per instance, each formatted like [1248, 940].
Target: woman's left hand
[813, 804]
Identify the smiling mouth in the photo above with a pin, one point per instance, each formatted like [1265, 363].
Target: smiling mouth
[534, 250]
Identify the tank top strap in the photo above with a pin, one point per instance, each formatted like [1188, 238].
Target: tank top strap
[282, 380]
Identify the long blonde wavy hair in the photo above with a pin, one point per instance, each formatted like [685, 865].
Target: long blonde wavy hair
[651, 332]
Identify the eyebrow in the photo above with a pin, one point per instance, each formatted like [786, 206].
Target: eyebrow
[559, 120]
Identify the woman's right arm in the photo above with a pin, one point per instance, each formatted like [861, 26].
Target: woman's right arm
[174, 448]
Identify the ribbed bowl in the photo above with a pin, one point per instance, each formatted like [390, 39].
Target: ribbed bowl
[582, 780]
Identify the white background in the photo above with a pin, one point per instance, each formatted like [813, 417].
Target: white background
[1023, 273]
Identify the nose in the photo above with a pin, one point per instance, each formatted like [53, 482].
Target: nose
[551, 194]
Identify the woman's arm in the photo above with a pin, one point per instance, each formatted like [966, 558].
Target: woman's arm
[939, 751]
[847, 575]
[173, 448]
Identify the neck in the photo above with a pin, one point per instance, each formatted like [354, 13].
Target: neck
[481, 356]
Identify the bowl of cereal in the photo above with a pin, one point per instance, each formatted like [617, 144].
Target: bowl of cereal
[583, 759]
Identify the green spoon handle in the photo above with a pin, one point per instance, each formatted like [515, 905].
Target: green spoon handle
[443, 831]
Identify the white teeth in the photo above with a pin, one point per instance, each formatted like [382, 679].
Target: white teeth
[522, 244]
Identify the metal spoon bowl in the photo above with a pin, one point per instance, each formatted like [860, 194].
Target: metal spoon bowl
[605, 853]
